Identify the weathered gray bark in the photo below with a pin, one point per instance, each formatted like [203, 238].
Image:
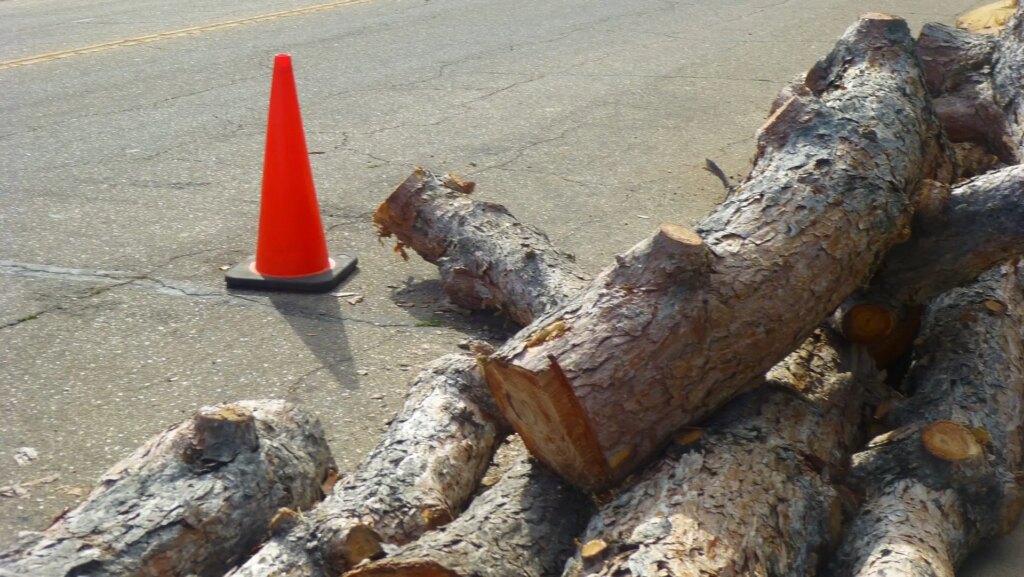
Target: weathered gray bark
[681, 324]
[487, 258]
[963, 233]
[752, 495]
[418, 478]
[522, 526]
[944, 479]
[191, 501]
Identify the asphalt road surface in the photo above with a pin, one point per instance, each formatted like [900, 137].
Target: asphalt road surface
[131, 137]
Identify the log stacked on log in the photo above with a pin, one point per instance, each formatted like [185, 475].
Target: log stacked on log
[664, 337]
[752, 493]
[944, 479]
[192, 501]
[679, 326]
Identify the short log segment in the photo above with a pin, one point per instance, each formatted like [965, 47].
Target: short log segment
[418, 478]
[486, 257]
[522, 526]
[191, 501]
[752, 493]
[944, 480]
[683, 323]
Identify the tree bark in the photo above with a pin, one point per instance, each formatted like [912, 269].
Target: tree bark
[486, 257]
[191, 501]
[752, 493]
[944, 479]
[958, 66]
[410, 483]
[522, 526]
[1009, 70]
[419, 477]
[683, 323]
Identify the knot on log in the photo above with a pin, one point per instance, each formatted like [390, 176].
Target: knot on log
[220, 434]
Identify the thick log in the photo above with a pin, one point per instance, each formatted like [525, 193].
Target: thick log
[522, 526]
[191, 501]
[417, 478]
[944, 480]
[752, 493]
[683, 323]
[486, 257]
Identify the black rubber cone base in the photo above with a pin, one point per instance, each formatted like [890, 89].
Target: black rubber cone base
[242, 276]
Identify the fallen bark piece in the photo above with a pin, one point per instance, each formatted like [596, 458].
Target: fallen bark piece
[522, 526]
[418, 478]
[191, 501]
[486, 257]
[944, 481]
[685, 322]
[754, 495]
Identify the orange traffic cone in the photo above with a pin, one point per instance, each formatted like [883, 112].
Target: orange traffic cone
[291, 250]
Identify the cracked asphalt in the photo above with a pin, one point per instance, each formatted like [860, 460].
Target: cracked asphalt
[131, 179]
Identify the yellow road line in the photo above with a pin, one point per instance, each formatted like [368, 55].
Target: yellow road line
[174, 34]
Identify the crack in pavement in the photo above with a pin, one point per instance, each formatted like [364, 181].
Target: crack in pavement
[110, 280]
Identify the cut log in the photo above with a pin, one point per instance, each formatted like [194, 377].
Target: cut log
[522, 526]
[1009, 69]
[487, 258]
[191, 501]
[944, 480]
[958, 67]
[433, 455]
[417, 478]
[683, 323]
[753, 494]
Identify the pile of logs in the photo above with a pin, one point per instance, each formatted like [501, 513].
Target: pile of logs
[729, 400]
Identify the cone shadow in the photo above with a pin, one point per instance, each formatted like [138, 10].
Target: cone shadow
[318, 322]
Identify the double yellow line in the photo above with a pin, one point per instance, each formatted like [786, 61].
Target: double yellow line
[194, 30]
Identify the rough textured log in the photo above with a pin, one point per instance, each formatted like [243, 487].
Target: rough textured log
[522, 526]
[683, 323]
[408, 484]
[191, 501]
[418, 478]
[958, 67]
[751, 494]
[487, 258]
[1009, 70]
[944, 480]
[957, 236]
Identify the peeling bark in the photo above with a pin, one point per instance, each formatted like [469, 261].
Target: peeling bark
[943, 481]
[191, 501]
[487, 258]
[752, 493]
[1009, 70]
[522, 526]
[683, 323]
